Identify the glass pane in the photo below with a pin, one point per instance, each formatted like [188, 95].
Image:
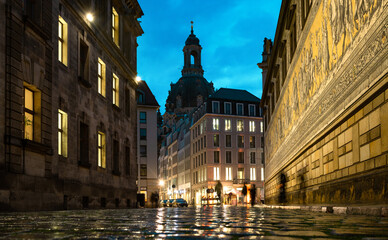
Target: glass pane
[60, 50]
[28, 126]
[99, 140]
[59, 121]
[99, 157]
[60, 26]
[59, 143]
[99, 69]
[29, 99]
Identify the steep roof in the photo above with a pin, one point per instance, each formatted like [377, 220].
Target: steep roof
[234, 94]
[149, 98]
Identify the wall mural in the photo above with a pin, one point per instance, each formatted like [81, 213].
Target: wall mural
[326, 44]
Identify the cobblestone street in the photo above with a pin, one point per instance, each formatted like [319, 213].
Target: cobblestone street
[182, 223]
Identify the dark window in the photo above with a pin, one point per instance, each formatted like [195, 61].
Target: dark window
[228, 140]
[33, 9]
[252, 110]
[252, 140]
[143, 170]
[240, 109]
[228, 157]
[228, 108]
[140, 98]
[216, 107]
[143, 117]
[262, 158]
[204, 157]
[216, 138]
[116, 152]
[216, 156]
[84, 143]
[204, 141]
[240, 141]
[143, 151]
[253, 157]
[143, 133]
[240, 157]
[83, 60]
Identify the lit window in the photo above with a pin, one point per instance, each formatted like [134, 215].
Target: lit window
[201, 128]
[115, 87]
[62, 133]
[228, 173]
[101, 150]
[252, 126]
[262, 174]
[143, 170]
[28, 114]
[240, 173]
[101, 77]
[216, 107]
[240, 125]
[228, 125]
[62, 41]
[253, 174]
[240, 110]
[115, 26]
[261, 127]
[216, 173]
[143, 117]
[252, 141]
[228, 108]
[216, 124]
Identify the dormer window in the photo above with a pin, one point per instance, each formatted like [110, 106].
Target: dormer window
[140, 98]
[216, 107]
[240, 109]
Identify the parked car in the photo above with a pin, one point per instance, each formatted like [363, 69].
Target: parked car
[163, 203]
[169, 202]
[180, 202]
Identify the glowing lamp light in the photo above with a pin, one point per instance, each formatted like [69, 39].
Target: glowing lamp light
[138, 78]
[89, 17]
[161, 183]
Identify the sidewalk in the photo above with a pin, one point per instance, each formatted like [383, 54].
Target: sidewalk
[378, 210]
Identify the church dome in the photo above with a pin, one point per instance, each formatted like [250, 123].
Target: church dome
[192, 40]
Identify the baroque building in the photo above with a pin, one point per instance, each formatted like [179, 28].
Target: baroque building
[192, 89]
[325, 103]
[69, 98]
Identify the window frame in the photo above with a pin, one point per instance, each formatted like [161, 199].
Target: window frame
[216, 109]
[228, 125]
[101, 152]
[30, 112]
[62, 133]
[216, 124]
[254, 110]
[141, 119]
[115, 90]
[115, 26]
[242, 109]
[101, 77]
[230, 108]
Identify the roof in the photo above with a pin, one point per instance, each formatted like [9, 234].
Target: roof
[235, 94]
[149, 98]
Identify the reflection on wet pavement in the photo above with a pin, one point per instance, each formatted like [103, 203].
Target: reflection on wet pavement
[192, 222]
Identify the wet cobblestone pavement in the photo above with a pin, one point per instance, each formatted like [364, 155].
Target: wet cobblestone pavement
[191, 223]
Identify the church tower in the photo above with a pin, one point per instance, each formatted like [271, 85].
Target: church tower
[192, 89]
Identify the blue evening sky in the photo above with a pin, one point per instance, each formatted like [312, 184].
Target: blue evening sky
[231, 33]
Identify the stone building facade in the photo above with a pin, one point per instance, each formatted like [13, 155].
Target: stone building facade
[325, 103]
[69, 99]
[227, 146]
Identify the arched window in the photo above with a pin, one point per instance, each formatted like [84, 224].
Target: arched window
[192, 60]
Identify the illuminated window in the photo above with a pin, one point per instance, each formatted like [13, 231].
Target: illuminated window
[252, 126]
[216, 124]
[262, 174]
[240, 125]
[115, 88]
[143, 170]
[115, 26]
[62, 40]
[101, 150]
[101, 77]
[253, 174]
[216, 173]
[228, 173]
[228, 125]
[261, 127]
[62, 133]
[240, 173]
[29, 114]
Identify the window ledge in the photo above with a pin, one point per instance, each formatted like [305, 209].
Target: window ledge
[37, 147]
[84, 82]
[115, 107]
[84, 164]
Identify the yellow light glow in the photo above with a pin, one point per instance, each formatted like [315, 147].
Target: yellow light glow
[89, 17]
[138, 78]
[161, 183]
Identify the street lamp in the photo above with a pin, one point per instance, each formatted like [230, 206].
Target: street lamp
[89, 17]
[161, 182]
[138, 79]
